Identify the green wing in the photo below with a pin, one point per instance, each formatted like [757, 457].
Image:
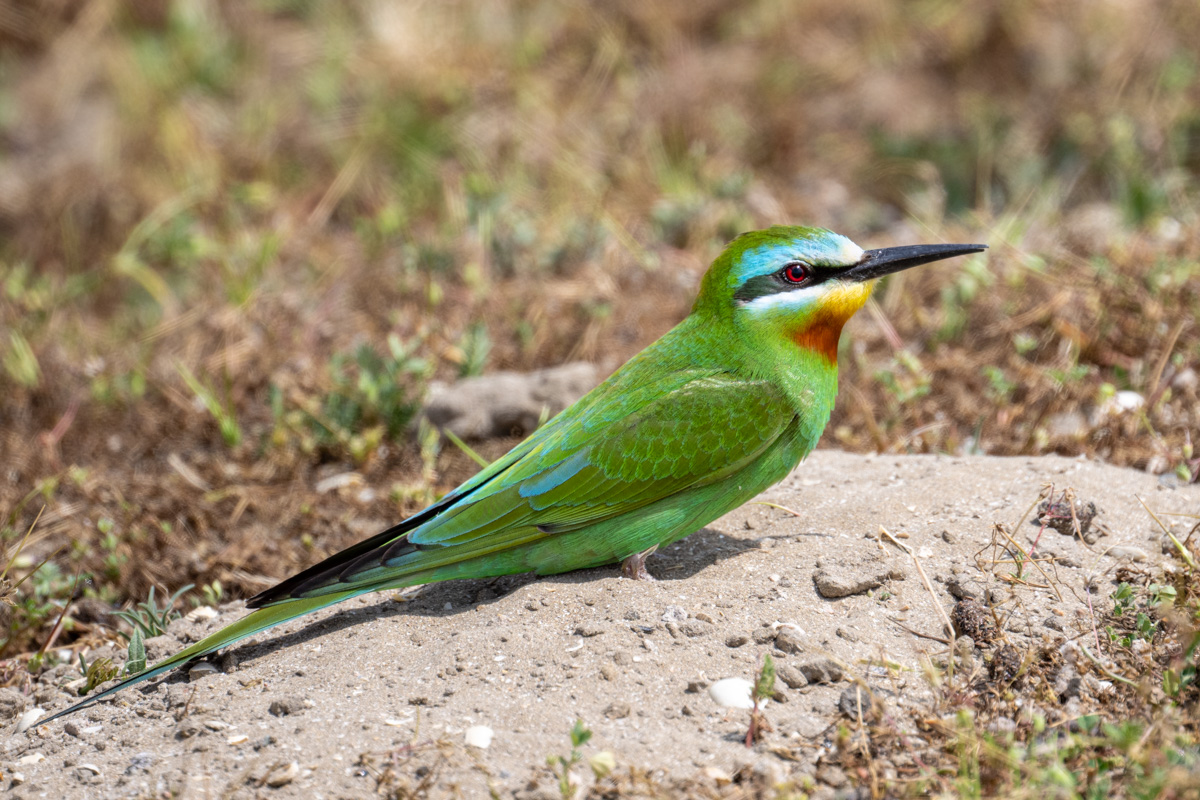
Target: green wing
[596, 463]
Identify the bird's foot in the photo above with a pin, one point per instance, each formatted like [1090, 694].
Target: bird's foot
[634, 567]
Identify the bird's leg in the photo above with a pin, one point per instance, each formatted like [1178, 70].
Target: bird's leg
[634, 566]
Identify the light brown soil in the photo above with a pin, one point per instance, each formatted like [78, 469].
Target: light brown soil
[363, 681]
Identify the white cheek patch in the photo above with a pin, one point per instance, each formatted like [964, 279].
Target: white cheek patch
[794, 299]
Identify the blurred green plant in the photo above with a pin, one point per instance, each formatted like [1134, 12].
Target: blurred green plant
[147, 618]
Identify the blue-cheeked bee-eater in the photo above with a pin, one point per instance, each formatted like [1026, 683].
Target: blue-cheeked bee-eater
[724, 405]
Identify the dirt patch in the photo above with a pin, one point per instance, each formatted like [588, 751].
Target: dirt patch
[379, 694]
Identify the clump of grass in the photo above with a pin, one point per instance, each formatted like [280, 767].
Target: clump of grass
[147, 619]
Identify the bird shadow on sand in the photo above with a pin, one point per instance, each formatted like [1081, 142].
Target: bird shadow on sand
[680, 561]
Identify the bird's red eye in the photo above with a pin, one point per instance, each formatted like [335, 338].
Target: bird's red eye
[795, 272]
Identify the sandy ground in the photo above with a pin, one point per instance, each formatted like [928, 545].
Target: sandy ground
[384, 690]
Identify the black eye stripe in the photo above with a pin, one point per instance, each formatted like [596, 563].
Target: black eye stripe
[776, 283]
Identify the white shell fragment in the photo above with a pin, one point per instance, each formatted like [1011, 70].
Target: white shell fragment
[202, 614]
[241, 738]
[732, 693]
[28, 718]
[479, 736]
[201, 670]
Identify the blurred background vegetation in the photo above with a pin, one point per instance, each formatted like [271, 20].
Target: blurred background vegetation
[237, 239]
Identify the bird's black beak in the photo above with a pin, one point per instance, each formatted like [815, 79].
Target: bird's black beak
[886, 260]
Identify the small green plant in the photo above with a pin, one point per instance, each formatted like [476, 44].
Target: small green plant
[764, 689]
[148, 618]
[96, 673]
[136, 663]
[1122, 599]
[373, 397]
[210, 595]
[562, 765]
[223, 413]
[475, 346]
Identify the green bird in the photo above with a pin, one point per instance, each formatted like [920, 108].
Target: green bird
[723, 406]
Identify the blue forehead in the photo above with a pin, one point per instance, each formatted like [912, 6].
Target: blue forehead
[825, 249]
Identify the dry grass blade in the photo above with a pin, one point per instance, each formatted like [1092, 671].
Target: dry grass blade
[924, 579]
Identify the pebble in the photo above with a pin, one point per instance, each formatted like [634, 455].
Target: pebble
[618, 710]
[832, 776]
[497, 403]
[32, 758]
[763, 635]
[1127, 551]
[845, 577]
[821, 670]
[857, 702]
[608, 672]
[589, 629]
[793, 677]
[789, 641]
[674, 614]
[12, 703]
[736, 639]
[479, 736]
[694, 628]
[202, 614]
[732, 693]
[282, 776]
[288, 705]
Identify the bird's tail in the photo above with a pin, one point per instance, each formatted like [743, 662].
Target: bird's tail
[255, 622]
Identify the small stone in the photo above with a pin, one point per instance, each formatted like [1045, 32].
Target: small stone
[501, 402]
[622, 658]
[478, 736]
[674, 614]
[1054, 624]
[694, 628]
[764, 635]
[1127, 551]
[793, 677]
[12, 703]
[821, 670]
[832, 776]
[287, 705]
[789, 641]
[695, 687]
[736, 639]
[842, 577]
[618, 710]
[857, 702]
[283, 775]
[71, 729]
[589, 629]
[608, 672]
[949, 538]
